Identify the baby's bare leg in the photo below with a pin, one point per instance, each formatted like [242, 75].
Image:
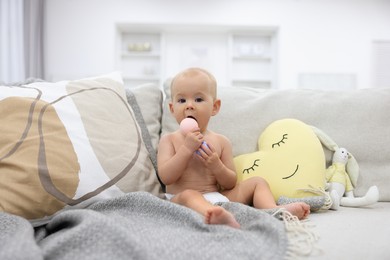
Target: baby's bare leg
[213, 214]
[256, 191]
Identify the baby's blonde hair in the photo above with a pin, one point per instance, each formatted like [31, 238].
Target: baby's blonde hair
[196, 71]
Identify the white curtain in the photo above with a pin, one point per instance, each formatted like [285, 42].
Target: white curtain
[21, 40]
[11, 41]
[33, 38]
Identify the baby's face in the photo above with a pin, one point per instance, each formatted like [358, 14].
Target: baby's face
[192, 97]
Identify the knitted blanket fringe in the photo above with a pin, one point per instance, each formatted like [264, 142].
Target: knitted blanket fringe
[301, 238]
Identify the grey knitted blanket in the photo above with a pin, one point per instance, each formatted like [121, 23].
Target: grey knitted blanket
[141, 226]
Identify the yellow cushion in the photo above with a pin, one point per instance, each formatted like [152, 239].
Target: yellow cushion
[290, 158]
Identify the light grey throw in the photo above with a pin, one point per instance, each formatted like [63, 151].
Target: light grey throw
[141, 226]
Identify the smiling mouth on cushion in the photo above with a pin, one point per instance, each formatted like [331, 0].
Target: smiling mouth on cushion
[296, 169]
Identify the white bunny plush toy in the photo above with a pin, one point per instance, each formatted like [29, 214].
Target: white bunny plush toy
[340, 183]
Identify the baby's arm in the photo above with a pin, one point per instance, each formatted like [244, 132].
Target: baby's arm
[221, 166]
[228, 178]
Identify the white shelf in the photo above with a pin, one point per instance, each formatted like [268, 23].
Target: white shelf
[263, 84]
[253, 59]
[236, 55]
[140, 55]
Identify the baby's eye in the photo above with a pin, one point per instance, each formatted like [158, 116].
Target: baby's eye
[252, 168]
[181, 100]
[281, 141]
[198, 100]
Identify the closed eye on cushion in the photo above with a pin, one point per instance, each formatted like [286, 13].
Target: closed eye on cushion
[281, 141]
[252, 168]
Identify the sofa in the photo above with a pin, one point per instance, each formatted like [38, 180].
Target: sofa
[111, 204]
[354, 119]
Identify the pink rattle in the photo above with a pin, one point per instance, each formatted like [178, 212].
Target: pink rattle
[187, 125]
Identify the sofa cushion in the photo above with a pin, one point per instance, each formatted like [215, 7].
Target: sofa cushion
[352, 233]
[149, 98]
[356, 119]
[68, 144]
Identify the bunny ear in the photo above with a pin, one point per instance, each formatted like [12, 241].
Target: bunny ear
[325, 139]
[352, 166]
[352, 169]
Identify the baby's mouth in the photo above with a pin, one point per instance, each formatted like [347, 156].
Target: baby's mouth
[192, 118]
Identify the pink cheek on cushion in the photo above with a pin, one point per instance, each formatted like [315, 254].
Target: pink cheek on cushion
[187, 125]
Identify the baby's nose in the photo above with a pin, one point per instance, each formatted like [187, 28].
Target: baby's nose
[189, 105]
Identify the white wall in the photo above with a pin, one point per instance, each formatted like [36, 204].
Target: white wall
[321, 36]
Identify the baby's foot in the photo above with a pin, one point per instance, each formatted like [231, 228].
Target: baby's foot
[299, 209]
[219, 215]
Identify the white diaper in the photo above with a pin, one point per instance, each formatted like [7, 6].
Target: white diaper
[212, 197]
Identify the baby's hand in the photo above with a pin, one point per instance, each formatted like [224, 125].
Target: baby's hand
[193, 140]
[204, 144]
[190, 129]
[209, 157]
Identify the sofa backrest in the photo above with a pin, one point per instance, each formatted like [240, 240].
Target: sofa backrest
[355, 119]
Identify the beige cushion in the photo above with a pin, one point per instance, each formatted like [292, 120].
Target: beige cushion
[357, 120]
[68, 144]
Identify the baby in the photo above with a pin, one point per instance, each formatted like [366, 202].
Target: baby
[197, 167]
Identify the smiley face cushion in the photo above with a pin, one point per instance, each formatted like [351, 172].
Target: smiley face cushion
[290, 158]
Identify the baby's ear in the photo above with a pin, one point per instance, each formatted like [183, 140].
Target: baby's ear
[216, 106]
[170, 105]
